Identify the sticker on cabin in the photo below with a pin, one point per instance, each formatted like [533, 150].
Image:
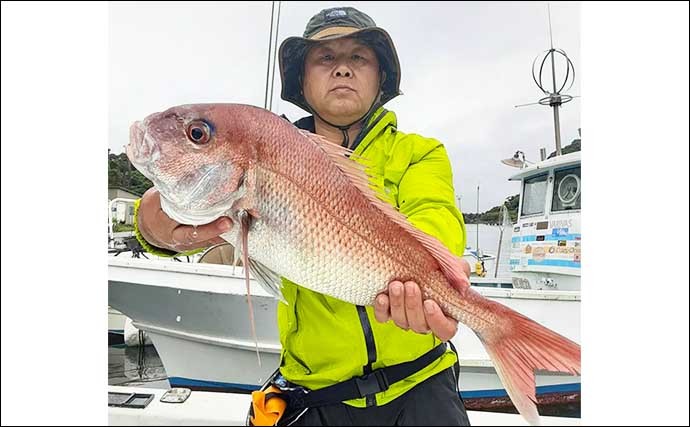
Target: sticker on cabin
[560, 223]
[528, 249]
[576, 258]
[540, 238]
[552, 249]
[542, 225]
[577, 244]
[516, 229]
[559, 232]
[538, 254]
[562, 243]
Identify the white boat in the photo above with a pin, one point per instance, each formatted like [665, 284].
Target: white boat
[121, 329]
[197, 317]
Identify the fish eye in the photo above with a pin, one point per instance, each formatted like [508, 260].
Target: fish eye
[199, 132]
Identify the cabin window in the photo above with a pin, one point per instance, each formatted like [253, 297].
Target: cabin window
[566, 190]
[534, 195]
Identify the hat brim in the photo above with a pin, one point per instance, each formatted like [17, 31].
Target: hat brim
[293, 50]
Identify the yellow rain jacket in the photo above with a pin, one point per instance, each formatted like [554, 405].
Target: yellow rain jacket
[325, 340]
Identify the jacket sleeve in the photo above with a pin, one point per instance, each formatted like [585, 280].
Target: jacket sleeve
[427, 197]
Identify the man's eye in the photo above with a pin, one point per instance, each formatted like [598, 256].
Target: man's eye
[327, 57]
[357, 57]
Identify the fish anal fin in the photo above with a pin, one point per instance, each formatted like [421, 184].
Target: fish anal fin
[269, 280]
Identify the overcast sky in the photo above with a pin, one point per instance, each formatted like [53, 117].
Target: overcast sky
[464, 68]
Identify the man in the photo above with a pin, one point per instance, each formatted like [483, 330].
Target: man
[342, 71]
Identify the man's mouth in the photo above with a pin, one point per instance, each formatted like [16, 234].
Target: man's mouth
[342, 88]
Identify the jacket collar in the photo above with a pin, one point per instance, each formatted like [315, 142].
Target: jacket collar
[378, 122]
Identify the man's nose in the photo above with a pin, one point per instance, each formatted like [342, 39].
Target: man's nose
[343, 70]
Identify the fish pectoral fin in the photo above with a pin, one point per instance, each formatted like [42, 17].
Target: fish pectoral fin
[269, 280]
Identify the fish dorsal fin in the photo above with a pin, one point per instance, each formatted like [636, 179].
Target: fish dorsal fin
[359, 175]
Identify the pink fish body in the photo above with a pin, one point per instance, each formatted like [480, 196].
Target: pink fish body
[308, 213]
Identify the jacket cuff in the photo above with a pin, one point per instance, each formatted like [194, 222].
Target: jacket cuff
[144, 244]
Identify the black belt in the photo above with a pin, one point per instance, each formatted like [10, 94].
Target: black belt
[375, 382]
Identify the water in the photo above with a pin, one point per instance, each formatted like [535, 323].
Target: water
[136, 366]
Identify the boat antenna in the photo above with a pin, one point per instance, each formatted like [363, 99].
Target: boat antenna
[477, 220]
[271, 61]
[556, 98]
[506, 223]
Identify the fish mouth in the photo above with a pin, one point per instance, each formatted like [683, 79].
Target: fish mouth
[142, 148]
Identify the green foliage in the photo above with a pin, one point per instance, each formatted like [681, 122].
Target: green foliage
[121, 173]
[570, 148]
[117, 227]
[493, 215]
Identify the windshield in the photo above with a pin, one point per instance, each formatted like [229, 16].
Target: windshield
[533, 195]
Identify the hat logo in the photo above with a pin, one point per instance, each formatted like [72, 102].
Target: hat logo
[336, 13]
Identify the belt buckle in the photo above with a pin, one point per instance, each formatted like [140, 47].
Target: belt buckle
[372, 383]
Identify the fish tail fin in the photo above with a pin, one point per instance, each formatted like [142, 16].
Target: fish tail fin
[245, 222]
[521, 346]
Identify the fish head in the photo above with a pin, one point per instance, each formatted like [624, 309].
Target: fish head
[194, 156]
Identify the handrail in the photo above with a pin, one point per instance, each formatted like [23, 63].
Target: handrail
[111, 240]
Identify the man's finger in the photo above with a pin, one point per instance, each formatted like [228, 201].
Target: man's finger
[382, 308]
[187, 236]
[443, 327]
[396, 295]
[413, 308]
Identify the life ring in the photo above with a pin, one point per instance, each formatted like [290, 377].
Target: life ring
[571, 200]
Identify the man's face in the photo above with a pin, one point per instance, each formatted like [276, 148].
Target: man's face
[341, 79]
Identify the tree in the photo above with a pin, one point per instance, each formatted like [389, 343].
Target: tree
[121, 173]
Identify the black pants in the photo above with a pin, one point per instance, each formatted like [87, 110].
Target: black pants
[434, 402]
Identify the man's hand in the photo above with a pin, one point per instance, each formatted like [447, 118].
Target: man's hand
[161, 231]
[404, 305]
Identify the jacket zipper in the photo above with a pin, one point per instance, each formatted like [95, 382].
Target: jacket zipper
[371, 348]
